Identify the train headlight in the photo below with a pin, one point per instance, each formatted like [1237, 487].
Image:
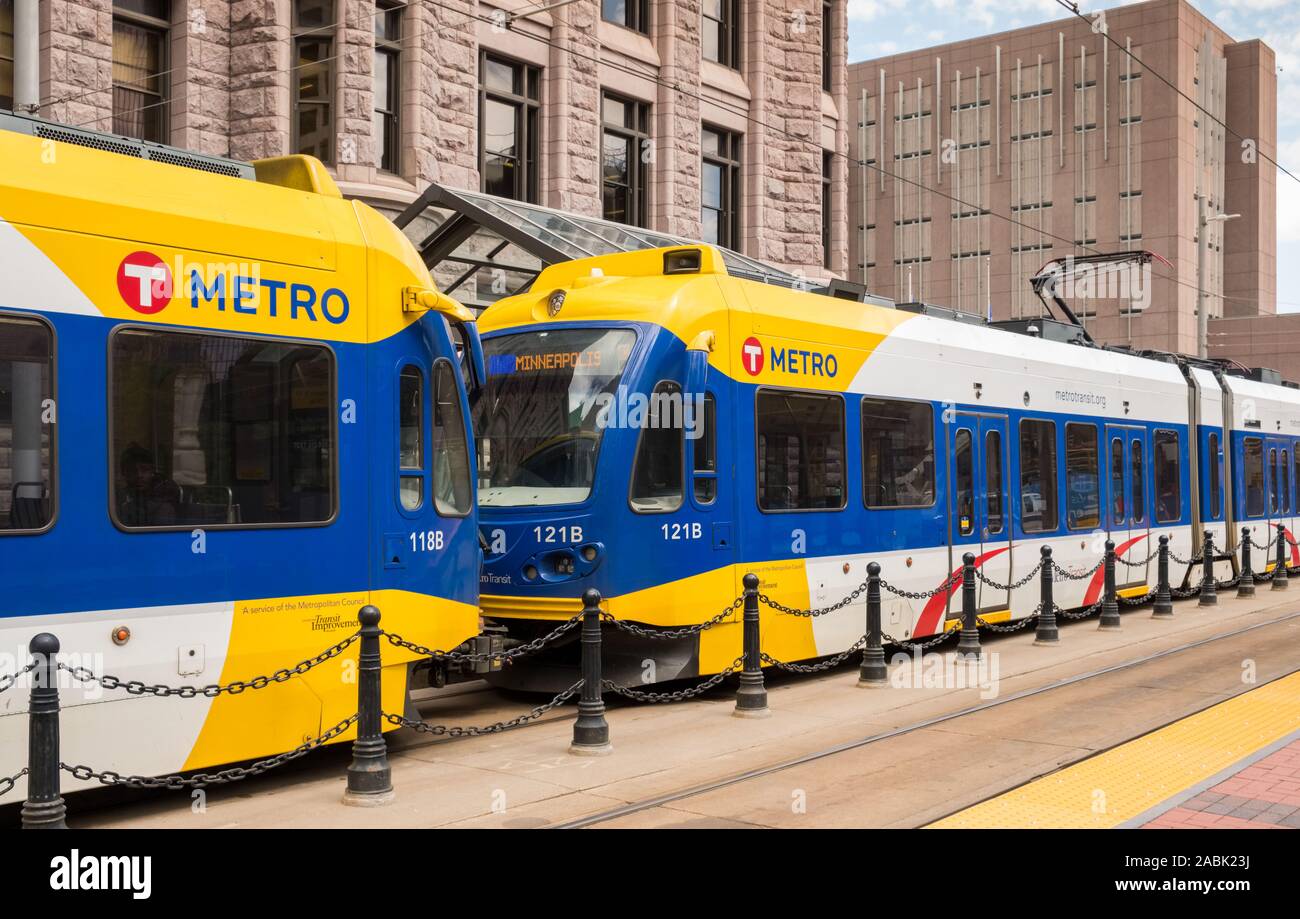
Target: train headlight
[589, 553]
[530, 572]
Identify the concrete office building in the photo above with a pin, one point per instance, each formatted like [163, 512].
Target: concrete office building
[722, 120]
[1084, 148]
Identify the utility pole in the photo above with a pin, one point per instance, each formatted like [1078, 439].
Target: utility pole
[1202, 301]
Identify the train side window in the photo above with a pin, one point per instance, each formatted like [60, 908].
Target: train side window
[897, 453]
[27, 461]
[410, 437]
[964, 484]
[220, 431]
[1273, 489]
[993, 499]
[1169, 496]
[1082, 478]
[1284, 473]
[453, 488]
[706, 452]
[1253, 473]
[1213, 471]
[1038, 500]
[1295, 459]
[800, 450]
[1117, 480]
[657, 470]
[1139, 481]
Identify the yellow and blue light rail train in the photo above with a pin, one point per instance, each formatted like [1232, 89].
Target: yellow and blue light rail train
[819, 434]
[233, 410]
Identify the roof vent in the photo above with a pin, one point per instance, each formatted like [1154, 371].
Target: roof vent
[124, 146]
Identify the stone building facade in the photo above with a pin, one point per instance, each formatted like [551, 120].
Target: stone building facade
[732, 113]
[983, 159]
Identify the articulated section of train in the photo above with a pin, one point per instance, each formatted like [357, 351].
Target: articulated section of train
[656, 428]
[233, 413]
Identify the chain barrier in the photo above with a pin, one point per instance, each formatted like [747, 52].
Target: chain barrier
[813, 613]
[676, 695]
[482, 657]
[1138, 601]
[1072, 575]
[952, 581]
[9, 679]
[1142, 564]
[1015, 626]
[442, 730]
[827, 664]
[1078, 614]
[7, 783]
[685, 632]
[234, 688]
[1195, 560]
[1016, 586]
[914, 646]
[203, 779]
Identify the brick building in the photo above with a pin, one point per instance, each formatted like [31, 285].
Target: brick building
[722, 120]
[1085, 149]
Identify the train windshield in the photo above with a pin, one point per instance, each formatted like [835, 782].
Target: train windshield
[540, 421]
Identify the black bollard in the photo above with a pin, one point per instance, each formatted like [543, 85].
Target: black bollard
[370, 778]
[968, 645]
[751, 695]
[1246, 586]
[1209, 590]
[44, 808]
[1046, 632]
[1110, 598]
[1279, 572]
[590, 729]
[1164, 605]
[873, 671]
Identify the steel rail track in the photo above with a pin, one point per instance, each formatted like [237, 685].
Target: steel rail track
[750, 775]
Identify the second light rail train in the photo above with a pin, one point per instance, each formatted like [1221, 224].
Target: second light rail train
[818, 434]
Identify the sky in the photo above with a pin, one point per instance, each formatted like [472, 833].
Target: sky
[883, 27]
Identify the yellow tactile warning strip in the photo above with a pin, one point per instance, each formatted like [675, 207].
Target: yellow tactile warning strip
[1113, 787]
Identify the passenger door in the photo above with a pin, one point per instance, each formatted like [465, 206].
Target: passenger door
[978, 517]
[1127, 519]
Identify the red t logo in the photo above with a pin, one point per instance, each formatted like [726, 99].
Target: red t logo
[144, 282]
[751, 356]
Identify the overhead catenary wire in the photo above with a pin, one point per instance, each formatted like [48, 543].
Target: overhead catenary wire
[743, 113]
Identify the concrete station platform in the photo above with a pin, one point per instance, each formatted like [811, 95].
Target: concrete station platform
[926, 771]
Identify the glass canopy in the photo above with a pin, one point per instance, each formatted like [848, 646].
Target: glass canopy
[481, 248]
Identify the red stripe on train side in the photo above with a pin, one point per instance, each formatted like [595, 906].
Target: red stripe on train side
[1099, 578]
[938, 604]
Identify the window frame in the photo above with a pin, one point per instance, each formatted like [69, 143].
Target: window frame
[844, 446]
[298, 34]
[55, 491]
[1214, 470]
[828, 225]
[162, 28]
[934, 459]
[1155, 474]
[1020, 470]
[638, 170]
[638, 16]
[392, 49]
[681, 455]
[528, 125]
[708, 422]
[1097, 440]
[729, 31]
[12, 58]
[1245, 478]
[425, 438]
[467, 425]
[335, 483]
[828, 54]
[731, 163]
